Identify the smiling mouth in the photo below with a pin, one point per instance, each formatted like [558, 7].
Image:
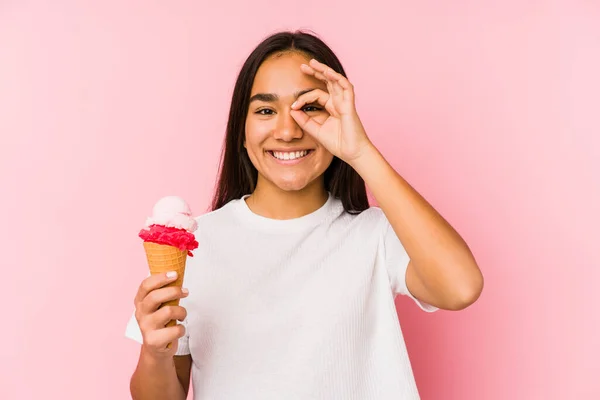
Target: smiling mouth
[289, 155]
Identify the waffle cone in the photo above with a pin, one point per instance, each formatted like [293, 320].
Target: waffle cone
[163, 258]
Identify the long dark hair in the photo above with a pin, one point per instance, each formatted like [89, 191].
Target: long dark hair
[237, 174]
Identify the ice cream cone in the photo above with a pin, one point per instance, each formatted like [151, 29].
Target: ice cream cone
[163, 258]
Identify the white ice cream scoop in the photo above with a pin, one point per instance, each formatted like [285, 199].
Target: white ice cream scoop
[172, 212]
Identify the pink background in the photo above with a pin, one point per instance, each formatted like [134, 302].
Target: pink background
[491, 110]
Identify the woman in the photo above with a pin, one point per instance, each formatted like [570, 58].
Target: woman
[291, 292]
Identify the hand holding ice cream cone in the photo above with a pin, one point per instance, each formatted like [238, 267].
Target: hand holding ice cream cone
[168, 241]
[153, 316]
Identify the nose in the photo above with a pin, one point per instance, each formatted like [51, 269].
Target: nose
[287, 128]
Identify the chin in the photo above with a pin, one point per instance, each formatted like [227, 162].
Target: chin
[291, 186]
[289, 181]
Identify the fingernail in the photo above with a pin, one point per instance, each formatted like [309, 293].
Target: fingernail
[294, 104]
[185, 291]
[172, 274]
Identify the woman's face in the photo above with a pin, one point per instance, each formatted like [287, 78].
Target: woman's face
[284, 155]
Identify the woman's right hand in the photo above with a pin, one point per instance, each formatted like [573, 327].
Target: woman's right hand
[152, 320]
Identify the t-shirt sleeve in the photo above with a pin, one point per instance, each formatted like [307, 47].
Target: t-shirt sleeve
[396, 260]
[132, 331]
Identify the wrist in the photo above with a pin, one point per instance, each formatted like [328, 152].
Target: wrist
[154, 360]
[366, 160]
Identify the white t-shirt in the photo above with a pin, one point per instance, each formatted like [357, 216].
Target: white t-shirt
[296, 309]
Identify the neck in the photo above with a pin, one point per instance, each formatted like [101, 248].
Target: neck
[272, 202]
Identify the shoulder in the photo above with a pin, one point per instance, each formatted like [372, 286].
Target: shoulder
[372, 214]
[370, 220]
[220, 217]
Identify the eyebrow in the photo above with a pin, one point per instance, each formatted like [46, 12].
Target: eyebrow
[272, 97]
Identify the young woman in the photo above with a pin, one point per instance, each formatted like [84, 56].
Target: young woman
[291, 292]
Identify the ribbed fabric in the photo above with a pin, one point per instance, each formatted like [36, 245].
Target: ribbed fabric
[296, 309]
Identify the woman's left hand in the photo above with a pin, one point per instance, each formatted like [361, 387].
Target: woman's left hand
[342, 133]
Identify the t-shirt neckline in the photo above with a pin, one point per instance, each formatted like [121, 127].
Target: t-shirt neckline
[283, 225]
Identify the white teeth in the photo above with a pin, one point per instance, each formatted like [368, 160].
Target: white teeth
[290, 155]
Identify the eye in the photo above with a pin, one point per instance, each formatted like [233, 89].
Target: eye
[310, 108]
[265, 111]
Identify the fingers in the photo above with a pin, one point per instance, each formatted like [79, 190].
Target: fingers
[329, 74]
[306, 123]
[160, 318]
[318, 95]
[153, 292]
[155, 298]
[154, 282]
[157, 340]
[337, 84]
[307, 69]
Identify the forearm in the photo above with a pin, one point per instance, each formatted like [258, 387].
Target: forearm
[156, 380]
[441, 258]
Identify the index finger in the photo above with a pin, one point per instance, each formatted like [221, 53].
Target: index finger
[315, 95]
[330, 74]
[154, 282]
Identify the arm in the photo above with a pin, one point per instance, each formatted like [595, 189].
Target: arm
[160, 374]
[442, 271]
[161, 379]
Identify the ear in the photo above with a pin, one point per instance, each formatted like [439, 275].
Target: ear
[245, 144]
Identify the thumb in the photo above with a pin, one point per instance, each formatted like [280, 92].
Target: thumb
[307, 124]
